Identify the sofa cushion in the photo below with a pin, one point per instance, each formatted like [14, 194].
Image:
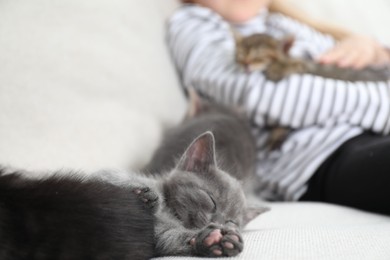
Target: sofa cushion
[84, 84]
[314, 231]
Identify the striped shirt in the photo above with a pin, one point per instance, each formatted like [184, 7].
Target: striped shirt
[323, 113]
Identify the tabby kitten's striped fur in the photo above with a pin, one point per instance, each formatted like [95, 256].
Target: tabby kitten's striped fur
[264, 52]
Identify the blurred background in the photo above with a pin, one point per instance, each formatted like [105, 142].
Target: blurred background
[89, 84]
[370, 17]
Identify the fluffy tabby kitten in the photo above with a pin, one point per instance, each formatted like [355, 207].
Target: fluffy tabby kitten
[65, 217]
[262, 51]
[205, 205]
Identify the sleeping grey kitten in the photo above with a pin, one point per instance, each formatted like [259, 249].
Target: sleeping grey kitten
[203, 208]
[194, 205]
[195, 209]
[204, 203]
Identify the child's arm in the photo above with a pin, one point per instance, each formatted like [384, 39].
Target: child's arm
[352, 50]
[357, 51]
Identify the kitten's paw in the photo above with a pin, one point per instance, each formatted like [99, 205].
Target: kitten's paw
[232, 242]
[274, 75]
[147, 196]
[215, 241]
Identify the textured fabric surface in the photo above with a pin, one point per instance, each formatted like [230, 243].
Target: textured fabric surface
[89, 84]
[315, 231]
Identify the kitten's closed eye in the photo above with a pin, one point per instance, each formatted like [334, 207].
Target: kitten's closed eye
[232, 222]
[197, 211]
[212, 199]
[207, 201]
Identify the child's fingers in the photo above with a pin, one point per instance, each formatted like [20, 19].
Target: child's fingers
[383, 60]
[382, 57]
[356, 52]
[332, 56]
[350, 59]
[361, 58]
[344, 57]
[361, 62]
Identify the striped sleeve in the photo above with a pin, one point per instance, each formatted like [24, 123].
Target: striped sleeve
[203, 51]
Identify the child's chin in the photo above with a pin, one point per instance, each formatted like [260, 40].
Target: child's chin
[240, 17]
[244, 10]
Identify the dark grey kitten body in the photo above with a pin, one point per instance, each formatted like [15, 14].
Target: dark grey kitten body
[64, 217]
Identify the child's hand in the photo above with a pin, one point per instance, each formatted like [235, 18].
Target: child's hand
[357, 52]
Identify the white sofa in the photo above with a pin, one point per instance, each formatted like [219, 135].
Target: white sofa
[89, 84]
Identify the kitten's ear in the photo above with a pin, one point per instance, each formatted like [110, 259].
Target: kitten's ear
[195, 103]
[252, 212]
[200, 155]
[287, 43]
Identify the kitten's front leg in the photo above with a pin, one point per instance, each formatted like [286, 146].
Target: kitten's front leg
[141, 186]
[172, 239]
[146, 195]
[217, 241]
[275, 72]
[212, 241]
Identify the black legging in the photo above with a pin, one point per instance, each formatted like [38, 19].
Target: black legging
[356, 175]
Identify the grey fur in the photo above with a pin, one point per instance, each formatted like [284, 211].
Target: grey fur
[200, 198]
[203, 191]
[195, 198]
[67, 216]
[235, 145]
